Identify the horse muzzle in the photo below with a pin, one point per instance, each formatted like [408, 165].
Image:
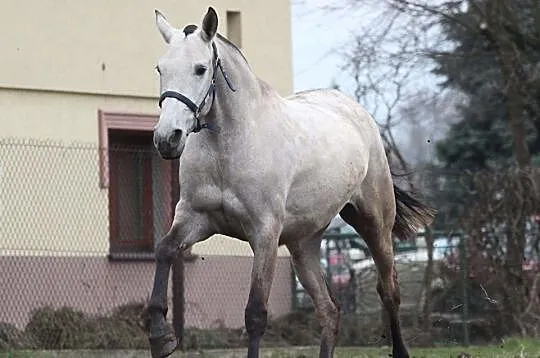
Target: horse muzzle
[171, 147]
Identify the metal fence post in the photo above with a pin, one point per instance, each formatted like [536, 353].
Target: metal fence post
[177, 271]
[294, 288]
[178, 299]
[328, 271]
[465, 282]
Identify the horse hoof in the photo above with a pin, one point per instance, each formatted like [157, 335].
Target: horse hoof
[163, 346]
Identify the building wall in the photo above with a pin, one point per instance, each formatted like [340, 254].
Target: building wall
[51, 200]
[64, 61]
[50, 193]
[111, 47]
[61, 116]
[216, 288]
[54, 242]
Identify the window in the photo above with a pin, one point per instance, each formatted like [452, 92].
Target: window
[234, 27]
[141, 186]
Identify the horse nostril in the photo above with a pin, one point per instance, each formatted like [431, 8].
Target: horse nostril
[175, 138]
[163, 147]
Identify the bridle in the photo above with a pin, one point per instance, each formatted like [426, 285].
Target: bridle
[196, 109]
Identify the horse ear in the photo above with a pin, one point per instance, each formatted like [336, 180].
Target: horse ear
[167, 31]
[210, 24]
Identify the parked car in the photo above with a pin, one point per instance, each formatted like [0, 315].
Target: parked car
[339, 272]
[443, 248]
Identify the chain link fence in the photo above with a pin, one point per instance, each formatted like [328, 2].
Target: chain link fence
[78, 226]
[478, 268]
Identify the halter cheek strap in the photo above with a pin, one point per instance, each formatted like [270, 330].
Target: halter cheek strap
[196, 109]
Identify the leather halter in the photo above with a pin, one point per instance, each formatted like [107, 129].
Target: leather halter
[196, 109]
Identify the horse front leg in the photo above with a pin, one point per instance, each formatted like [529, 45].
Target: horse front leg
[262, 274]
[161, 336]
[182, 234]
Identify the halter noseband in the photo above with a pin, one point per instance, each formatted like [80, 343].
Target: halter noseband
[196, 109]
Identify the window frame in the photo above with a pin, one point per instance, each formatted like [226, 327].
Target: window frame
[119, 121]
[132, 122]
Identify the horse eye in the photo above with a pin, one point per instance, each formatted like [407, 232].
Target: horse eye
[157, 69]
[200, 70]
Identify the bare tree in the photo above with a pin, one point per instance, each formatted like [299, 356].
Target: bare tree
[500, 205]
[426, 119]
[497, 21]
[389, 70]
[388, 74]
[392, 52]
[406, 32]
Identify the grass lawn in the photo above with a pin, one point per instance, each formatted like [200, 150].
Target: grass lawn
[512, 348]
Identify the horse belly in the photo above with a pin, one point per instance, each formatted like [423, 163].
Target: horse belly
[307, 222]
[316, 198]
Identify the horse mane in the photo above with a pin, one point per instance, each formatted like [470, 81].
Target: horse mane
[189, 29]
[230, 44]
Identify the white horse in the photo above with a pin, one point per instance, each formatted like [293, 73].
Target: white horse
[270, 171]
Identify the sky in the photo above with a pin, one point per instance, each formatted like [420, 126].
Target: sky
[320, 35]
[322, 31]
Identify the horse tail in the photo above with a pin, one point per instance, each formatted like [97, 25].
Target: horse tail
[411, 214]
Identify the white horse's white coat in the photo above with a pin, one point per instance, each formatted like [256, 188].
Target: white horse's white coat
[277, 172]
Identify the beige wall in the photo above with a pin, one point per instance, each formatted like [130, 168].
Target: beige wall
[111, 47]
[51, 202]
[216, 289]
[50, 196]
[64, 60]
[223, 245]
[50, 199]
[61, 116]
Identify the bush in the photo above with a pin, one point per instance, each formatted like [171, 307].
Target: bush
[13, 338]
[124, 328]
[66, 328]
[62, 328]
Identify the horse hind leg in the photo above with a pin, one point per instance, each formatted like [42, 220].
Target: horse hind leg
[306, 263]
[375, 226]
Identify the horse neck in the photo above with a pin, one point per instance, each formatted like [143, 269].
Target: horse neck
[231, 108]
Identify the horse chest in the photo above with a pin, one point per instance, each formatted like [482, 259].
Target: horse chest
[206, 198]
